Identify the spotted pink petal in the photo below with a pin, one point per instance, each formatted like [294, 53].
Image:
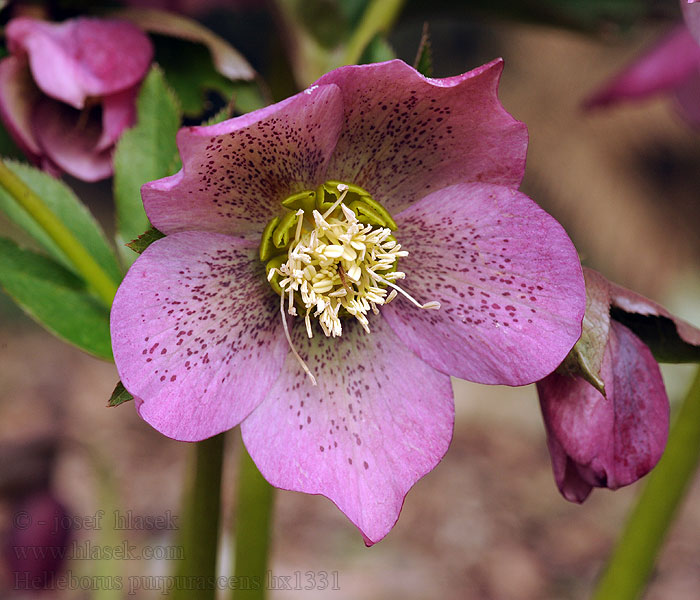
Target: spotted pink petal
[379, 419]
[82, 57]
[236, 173]
[662, 68]
[611, 441]
[18, 93]
[69, 138]
[508, 279]
[196, 334]
[405, 135]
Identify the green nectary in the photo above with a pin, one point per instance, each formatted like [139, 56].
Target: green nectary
[279, 232]
[278, 235]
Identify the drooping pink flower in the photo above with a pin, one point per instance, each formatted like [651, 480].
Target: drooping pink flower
[671, 66]
[68, 90]
[373, 168]
[612, 440]
[38, 543]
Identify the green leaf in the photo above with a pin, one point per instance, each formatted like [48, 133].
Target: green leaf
[190, 72]
[324, 20]
[55, 298]
[61, 200]
[145, 240]
[119, 396]
[585, 359]
[222, 115]
[353, 11]
[424, 57]
[8, 148]
[144, 153]
[247, 96]
[378, 50]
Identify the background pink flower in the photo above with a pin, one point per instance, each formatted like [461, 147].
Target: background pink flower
[612, 440]
[68, 90]
[196, 328]
[671, 66]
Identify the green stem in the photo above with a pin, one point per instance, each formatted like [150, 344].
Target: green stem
[632, 561]
[199, 536]
[253, 517]
[379, 17]
[93, 274]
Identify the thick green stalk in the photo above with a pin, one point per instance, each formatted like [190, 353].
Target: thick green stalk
[379, 17]
[199, 536]
[632, 561]
[253, 518]
[92, 273]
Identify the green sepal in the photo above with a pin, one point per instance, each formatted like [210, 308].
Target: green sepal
[281, 236]
[267, 249]
[578, 363]
[145, 240]
[119, 396]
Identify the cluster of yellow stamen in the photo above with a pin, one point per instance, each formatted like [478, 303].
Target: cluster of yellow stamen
[337, 266]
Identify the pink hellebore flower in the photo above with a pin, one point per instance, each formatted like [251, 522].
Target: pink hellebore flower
[68, 90]
[288, 210]
[672, 66]
[612, 440]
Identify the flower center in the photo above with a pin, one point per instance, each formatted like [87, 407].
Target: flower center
[333, 255]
